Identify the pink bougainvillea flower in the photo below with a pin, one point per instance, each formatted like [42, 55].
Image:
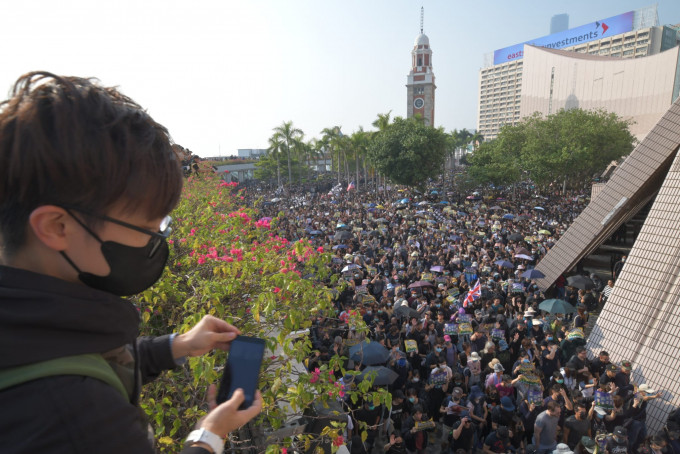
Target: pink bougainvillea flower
[276, 290]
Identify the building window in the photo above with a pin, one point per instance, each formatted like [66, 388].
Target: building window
[627, 52]
[616, 54]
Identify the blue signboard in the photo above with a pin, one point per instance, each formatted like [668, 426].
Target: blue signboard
[590, 32]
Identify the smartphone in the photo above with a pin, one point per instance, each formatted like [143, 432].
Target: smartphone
[242, 369]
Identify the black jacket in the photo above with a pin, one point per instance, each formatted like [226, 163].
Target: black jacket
[43, 318]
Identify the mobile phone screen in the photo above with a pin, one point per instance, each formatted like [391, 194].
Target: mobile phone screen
[242, 369]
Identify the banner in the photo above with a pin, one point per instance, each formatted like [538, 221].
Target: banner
[464, 329]
[451, 329]
[438, 378]
[411, 345]
[361, 290]
[603, 399]
[535, 396]
[497, 334]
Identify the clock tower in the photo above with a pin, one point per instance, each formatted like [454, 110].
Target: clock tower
[420, 85]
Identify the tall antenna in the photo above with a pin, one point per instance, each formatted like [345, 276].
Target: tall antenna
[422, 14]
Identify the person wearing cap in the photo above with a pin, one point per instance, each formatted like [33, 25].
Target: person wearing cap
[450, 410]
[473, 370]
[562, 449]
[622, 378]
[416, 441]
[503, 414]
[498, 441]
[585, 445]
[610, 372]
[618, 442]
[463, 433]
[496, 377]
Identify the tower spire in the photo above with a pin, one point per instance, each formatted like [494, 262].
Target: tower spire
[422, 14]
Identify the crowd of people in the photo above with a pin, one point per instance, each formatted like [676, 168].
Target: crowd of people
[444, 283]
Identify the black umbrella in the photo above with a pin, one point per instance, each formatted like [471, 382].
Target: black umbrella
[406, 311]
[369, 353]
[580, 282]
[383, 375]
[342, 235]
[515, 237]
[418, 284]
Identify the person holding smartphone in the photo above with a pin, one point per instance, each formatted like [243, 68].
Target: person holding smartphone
[88, 179]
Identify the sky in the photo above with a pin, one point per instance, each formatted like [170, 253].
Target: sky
[220, 75]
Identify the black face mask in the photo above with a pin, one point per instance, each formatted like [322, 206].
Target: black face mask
[133, 269]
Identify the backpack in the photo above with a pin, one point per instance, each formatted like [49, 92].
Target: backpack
[88, 365]
[474, 371]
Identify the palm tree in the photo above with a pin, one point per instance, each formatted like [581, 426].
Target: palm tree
[289, 136]
[331, 138]
[359, 147]
[275, 148]
[383, 121]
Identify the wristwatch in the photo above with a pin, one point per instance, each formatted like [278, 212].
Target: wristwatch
[205, 436]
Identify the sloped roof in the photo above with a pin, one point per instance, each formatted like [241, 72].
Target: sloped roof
[630, 188]
[641, 320]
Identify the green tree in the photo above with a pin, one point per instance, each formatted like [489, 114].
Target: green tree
[274, 151]
[331, 138]
[568, 147]
[290, 137]
[408, 152]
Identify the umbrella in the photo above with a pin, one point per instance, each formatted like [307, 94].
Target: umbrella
[381, 221]
[580, 282]
[342, 235]
[350, 267]
[369, 353]
[434, 192]
[404, 201]
[437, 269]
[555, 306]
[423, 203]
[495, 207]
[454, 238]
[316, 232]
[341, 226]
[504, 264]
[383, 375]
[339, 246]
[522, 250]
[533, 274]
[508, 216]
[539, 208]
[545, 232]
[523, 257]
[372, 205]
[406, 311]
[418, 284]
[444, 202]
[276, 200]
[516, 237]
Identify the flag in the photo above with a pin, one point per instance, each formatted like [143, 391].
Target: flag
[350, 186]
[474, 293]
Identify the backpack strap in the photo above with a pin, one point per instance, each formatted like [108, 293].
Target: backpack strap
[88, 365]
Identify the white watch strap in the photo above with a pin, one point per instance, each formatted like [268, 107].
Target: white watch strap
[205, 436]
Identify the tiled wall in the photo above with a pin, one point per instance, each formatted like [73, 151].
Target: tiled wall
[641, 320]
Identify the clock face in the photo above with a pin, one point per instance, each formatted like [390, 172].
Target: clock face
[418, 103]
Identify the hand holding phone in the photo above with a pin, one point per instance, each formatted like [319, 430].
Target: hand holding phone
[242, 370]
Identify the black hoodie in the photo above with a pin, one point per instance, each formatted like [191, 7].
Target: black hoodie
[43, 318]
